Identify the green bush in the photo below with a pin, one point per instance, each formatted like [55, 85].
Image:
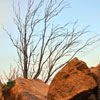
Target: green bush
[8, 86]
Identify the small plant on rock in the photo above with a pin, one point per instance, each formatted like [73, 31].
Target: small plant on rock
[8, 86]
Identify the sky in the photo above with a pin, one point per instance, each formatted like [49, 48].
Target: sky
[87, 12]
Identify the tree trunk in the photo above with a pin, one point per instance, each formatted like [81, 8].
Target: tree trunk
[25, 67]
[25, 72]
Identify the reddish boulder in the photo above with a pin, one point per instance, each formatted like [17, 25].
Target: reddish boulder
[72, 82]
[96, 75]
[28, 89]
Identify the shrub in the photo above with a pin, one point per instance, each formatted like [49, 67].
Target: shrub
[8, 86]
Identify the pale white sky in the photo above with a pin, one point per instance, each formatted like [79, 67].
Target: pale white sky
[87, 12]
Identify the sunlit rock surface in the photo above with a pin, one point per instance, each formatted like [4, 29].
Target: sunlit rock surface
[28, 89]
[72, 82]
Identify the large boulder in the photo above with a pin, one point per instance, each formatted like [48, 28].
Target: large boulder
[96, 75]
[72, 82]
[28, 89]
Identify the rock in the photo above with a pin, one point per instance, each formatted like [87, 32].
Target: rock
[28, 89]
[72, 82]
[96, 75]
[1, 89]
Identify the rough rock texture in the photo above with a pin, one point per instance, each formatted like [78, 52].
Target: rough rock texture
[73, 82]
[28, 89]
[1, 89]
[96, 74]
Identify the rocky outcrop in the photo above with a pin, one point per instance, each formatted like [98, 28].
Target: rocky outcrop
[75, 81]
[1, 89]
[28, 89]
[72, 82]
[96, 74]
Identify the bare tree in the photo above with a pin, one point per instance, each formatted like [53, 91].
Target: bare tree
[41, 44]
